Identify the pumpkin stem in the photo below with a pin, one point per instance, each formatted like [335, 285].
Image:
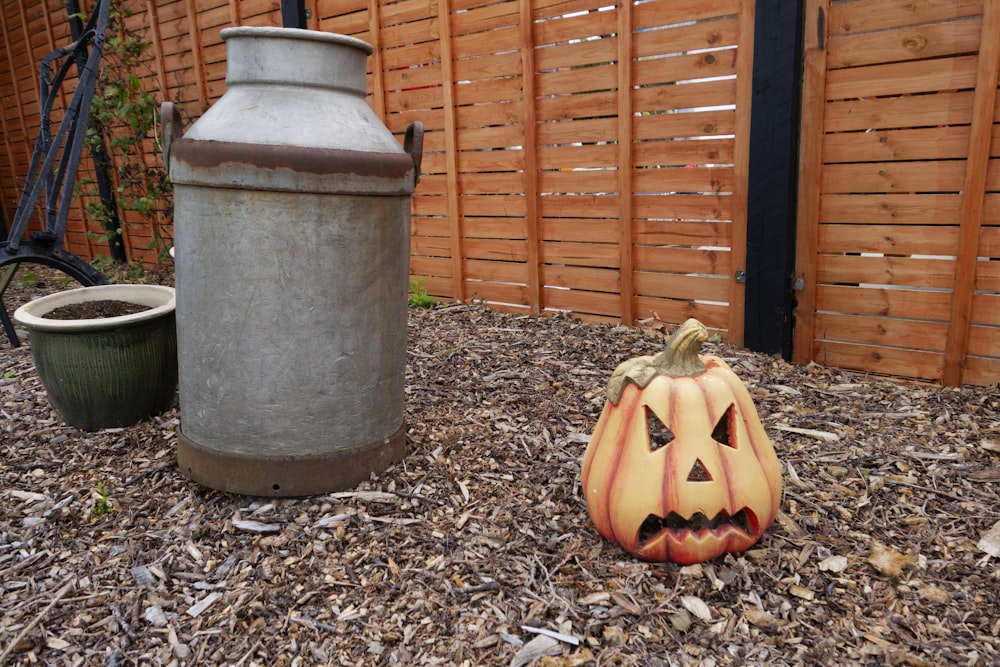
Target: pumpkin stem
[681, 359]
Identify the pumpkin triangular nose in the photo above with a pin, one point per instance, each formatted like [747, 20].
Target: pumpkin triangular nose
[699, 473]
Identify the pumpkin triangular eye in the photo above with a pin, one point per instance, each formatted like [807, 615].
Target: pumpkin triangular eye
[699, 473]
[723, 431]
[660, 434]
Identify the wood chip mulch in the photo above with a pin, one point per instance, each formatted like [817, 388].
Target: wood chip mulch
[477, 549]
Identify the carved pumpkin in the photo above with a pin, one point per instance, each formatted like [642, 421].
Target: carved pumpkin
[679, 467]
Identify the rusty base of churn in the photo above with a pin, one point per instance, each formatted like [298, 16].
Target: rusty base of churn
[287, 475]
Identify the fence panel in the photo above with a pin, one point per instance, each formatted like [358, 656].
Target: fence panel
[580, 156]
[899, 176]
[539, 115]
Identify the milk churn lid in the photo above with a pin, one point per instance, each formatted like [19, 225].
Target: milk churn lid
[294, 118]
[296, 33]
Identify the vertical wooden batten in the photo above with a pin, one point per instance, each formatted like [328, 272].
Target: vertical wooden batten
[30, 136]
[312, 14]
[810, 171]
[626, 231]
[198, 59]
[378, 77]
[741, 171]
[973, 193]
[451, 151]
[9, 216]
[156, 46]
[528, 120]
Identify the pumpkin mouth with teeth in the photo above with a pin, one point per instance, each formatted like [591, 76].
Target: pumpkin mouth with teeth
[699, 525]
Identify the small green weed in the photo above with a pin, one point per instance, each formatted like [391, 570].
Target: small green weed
[103, 506]
[9, 375]
[29, 279]
[119, 272]
[419, 298]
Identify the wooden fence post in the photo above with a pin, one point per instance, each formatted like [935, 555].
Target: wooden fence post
[451, 152]
[973, 192]
[625, 214]
[196, 54]
[378, 77]
[741, 171]
[528, 120]
[810, 168]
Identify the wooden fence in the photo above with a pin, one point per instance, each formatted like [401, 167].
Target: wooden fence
[592, 156]
[899, 207]
[580, 156]
[538, 114]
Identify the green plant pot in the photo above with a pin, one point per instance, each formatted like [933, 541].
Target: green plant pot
[106, 372]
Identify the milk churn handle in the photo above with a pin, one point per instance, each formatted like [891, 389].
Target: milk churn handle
[414, 145]
[171, 129]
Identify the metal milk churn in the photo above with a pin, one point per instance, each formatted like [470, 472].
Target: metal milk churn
[291, 221]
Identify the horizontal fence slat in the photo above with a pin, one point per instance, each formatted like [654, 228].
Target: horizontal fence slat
[982, 371]
[937, 273]
[904, 177]
[486, 272]
[685, 123]
[683, 260]
[888, 145]
[579, 254]
[683, 207]
[900, 78]
[582, 301]
[687, 67]
[680, 11]
[986, 311]
[888, 239]
[884, 301]
[575, 277]
[682, 233]
[882, 331]
[712, 315]
[899, 362]
[905, 43]
[874, 113]
[988, 276]
[982, 342]
[877, 15]
[684, 36]
[582, 230]
[903, 209]
[506, 250]
[679, 286]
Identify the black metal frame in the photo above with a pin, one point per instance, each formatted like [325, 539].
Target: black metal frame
[54, 164]
[99, 152]
[293, 14]
[772, 188]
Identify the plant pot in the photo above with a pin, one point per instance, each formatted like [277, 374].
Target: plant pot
[105, 372]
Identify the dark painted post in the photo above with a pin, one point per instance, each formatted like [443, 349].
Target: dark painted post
[771, 205]
[293, 13]
[99, 151]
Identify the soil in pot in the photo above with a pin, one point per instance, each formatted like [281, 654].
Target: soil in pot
[90, 310]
